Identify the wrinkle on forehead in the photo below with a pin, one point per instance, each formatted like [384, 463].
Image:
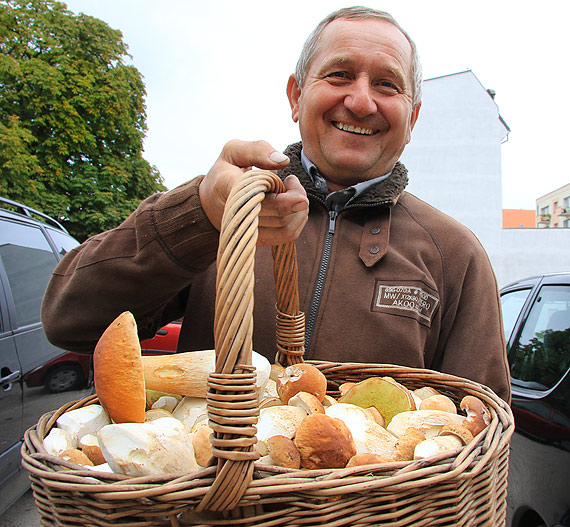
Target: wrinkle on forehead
[378, 38]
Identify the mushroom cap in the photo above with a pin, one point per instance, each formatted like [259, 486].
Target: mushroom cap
[202, 445]
[324, 442]
[118, 371]
[75, 455]
[301, 377]
[438, 402]
[478, 416]
[283, 452]
[405, 445]
[366, 458]
[459, 431]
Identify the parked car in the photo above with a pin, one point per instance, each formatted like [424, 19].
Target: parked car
[165, 340]
[536, 316]
[31, 244]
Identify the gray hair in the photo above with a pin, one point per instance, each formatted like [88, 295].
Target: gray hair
[354, 13]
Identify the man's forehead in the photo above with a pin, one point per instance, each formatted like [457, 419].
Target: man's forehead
[379, 27]
[381, 34]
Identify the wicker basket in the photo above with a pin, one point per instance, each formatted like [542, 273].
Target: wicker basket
[466, 487]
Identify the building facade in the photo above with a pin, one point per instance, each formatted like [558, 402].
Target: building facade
[553, 209]
[454, 164]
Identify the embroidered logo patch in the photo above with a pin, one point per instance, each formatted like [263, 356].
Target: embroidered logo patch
[411, 299]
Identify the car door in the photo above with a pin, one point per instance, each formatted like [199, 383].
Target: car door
[11, 397]
[537, 328]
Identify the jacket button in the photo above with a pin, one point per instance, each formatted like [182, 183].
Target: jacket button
[375, 249]
[375, 230]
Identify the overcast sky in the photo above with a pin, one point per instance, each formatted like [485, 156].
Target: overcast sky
[217, 70]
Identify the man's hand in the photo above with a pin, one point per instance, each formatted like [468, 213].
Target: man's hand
[282, 216]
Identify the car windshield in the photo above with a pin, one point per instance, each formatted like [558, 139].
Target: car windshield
[541, 355]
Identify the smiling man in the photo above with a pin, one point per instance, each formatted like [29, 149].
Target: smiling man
[383, 277]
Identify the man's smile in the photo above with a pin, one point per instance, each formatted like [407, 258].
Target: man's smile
[353, 129]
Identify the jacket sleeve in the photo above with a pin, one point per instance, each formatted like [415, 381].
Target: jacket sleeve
[145, 265]
[472, 342]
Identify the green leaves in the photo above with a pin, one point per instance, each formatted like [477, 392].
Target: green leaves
[72, 117]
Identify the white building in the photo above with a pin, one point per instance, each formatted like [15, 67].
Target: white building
[454, 163]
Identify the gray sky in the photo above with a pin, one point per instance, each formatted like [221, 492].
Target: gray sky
[217, 70]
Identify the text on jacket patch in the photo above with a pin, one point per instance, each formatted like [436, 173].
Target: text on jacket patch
[408, 299]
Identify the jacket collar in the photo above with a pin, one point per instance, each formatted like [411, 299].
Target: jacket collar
[387, 191]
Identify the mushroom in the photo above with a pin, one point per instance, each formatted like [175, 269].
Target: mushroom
[429, 422]
[75, 455]
[324, 442]
[283, 452]
[301, 377]
[405, 445]
[439, 402]
[202, 445]
[478, 416]
[366, 459]
[89, 445]
[308, 402]
[279, 420]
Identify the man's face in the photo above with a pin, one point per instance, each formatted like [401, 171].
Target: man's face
[355, 109]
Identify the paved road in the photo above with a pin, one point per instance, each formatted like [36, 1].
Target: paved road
[22, 514]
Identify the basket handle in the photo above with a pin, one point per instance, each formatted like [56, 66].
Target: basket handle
[233, 405]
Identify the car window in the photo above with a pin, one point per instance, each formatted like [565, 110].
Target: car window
[29, 261]
[511, 305]
[541, 355]
[64, 243]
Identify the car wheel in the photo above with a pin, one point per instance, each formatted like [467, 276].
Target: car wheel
[63, 378]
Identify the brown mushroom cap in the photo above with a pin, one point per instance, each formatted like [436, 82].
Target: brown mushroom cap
[324, 442]
[439, 402]
[478, 416]
[366, 458]
[118, 371]
[202, 445]
[301, 378]
[459, 431]
[283, 452]
[75, 455]
[405, 445]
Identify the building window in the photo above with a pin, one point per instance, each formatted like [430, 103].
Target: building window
[545, 210]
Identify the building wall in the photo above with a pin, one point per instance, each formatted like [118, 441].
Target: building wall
[556, 205]
[518, 219]
[454, 163]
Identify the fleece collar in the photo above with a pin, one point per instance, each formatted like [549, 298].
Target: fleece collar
[387, 191]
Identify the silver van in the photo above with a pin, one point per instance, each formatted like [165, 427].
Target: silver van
[31, 244]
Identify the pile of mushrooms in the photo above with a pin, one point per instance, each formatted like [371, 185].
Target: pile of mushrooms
[140, 430]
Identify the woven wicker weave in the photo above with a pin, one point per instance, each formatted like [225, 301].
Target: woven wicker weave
[462, 488]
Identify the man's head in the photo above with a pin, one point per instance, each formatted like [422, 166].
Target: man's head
[356, 95]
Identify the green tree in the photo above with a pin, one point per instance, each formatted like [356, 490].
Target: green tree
[72, 117]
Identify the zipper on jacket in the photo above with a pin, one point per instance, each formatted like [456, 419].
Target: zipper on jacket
[321, 277]
[324, 266]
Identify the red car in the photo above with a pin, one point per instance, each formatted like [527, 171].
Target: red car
[165, 340]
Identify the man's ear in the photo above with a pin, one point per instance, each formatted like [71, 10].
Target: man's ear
[413, 119]
[293, 94]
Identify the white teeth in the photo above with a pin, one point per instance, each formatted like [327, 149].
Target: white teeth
[354, 129]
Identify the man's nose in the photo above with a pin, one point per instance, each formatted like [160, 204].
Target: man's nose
[360, 100]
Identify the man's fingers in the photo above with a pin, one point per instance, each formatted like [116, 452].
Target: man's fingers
[253, 153]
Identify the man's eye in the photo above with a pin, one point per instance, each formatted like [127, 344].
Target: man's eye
[338, 74]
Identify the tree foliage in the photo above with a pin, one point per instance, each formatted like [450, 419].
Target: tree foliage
[72, 117]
